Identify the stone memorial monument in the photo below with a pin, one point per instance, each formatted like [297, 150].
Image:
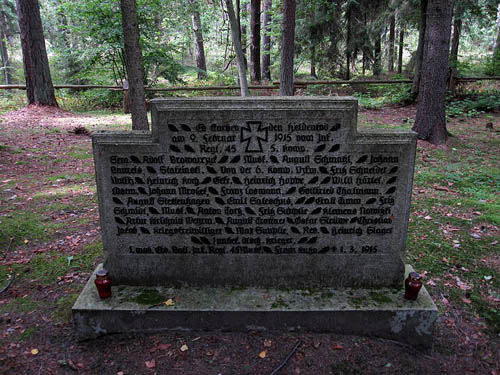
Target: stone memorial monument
[255, 213]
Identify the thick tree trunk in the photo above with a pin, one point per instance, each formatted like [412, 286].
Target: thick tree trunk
[392, 32]
[237, 48]
[198, 44]
[420, 49]
[401, 48]
[39, 88]
[255, 40]
[287, 48]
[430, 122]
[266, 42]
[453, 59]
[5, 56]
[133, 62]
[377, 65]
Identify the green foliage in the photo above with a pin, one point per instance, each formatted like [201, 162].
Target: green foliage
[21, 226]
[89, 99]
[87, 38]
[11, 100]
[381, 95]
[492, 65]
[473, 105]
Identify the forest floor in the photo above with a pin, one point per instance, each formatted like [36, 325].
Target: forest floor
[50, 244]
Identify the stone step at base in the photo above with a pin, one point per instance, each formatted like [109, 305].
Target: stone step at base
[379, 312]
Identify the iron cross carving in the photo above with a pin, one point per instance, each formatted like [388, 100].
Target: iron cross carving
[254, 134]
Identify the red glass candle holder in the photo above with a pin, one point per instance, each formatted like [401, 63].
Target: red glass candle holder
[103, 284]
[413, 284]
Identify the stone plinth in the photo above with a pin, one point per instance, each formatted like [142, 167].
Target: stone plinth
[380, 312]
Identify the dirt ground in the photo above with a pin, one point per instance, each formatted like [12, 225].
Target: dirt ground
[462, 343]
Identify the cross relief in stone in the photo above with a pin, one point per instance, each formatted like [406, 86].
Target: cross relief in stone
[254, 134]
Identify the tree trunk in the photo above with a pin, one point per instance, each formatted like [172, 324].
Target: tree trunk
[255, 40]
[420, 49]
[495, 61]
[266, 42]
[287, 48]
[430, 121]
[237, 48]
[453, 59]
[5, 55]
[133, 62]
[363, 59]
[39, 88]
[244, 34]
[348, 43]
[401, 48]
[392, 29]
[198, 44]
[378, 48]
[313, 61]
[496, 44]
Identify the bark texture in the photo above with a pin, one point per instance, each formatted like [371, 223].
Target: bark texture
[313, 62]
[133, 62]
[401, 48]
[392, 32]
[496, 44]
[420, 49]
[199, 49]
[39, 88]
[377, 64]
[243, 32]
[237, 48]
[266, 42]
[287, 48]
[5, 55]
[430, 121]
[255, 40]
[348, 42]
[453, 60]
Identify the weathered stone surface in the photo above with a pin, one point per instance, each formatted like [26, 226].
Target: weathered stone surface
[264, 192]
[381, 312]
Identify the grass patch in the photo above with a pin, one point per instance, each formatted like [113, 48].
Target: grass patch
[22, 226]
[62, 310]
[47, 268]
[28, 333]
[9, 149]
[81, 155]
[455, 258]
[63, 191]
[90, 256]
[21, 305]
[77, 177]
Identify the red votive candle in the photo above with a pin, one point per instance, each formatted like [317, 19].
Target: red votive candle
[413, 284]
[103, 284]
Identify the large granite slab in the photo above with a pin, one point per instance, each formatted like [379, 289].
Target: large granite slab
[380, 312]
[259, 192]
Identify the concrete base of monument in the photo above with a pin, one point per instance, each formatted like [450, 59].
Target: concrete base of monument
[380, 312]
